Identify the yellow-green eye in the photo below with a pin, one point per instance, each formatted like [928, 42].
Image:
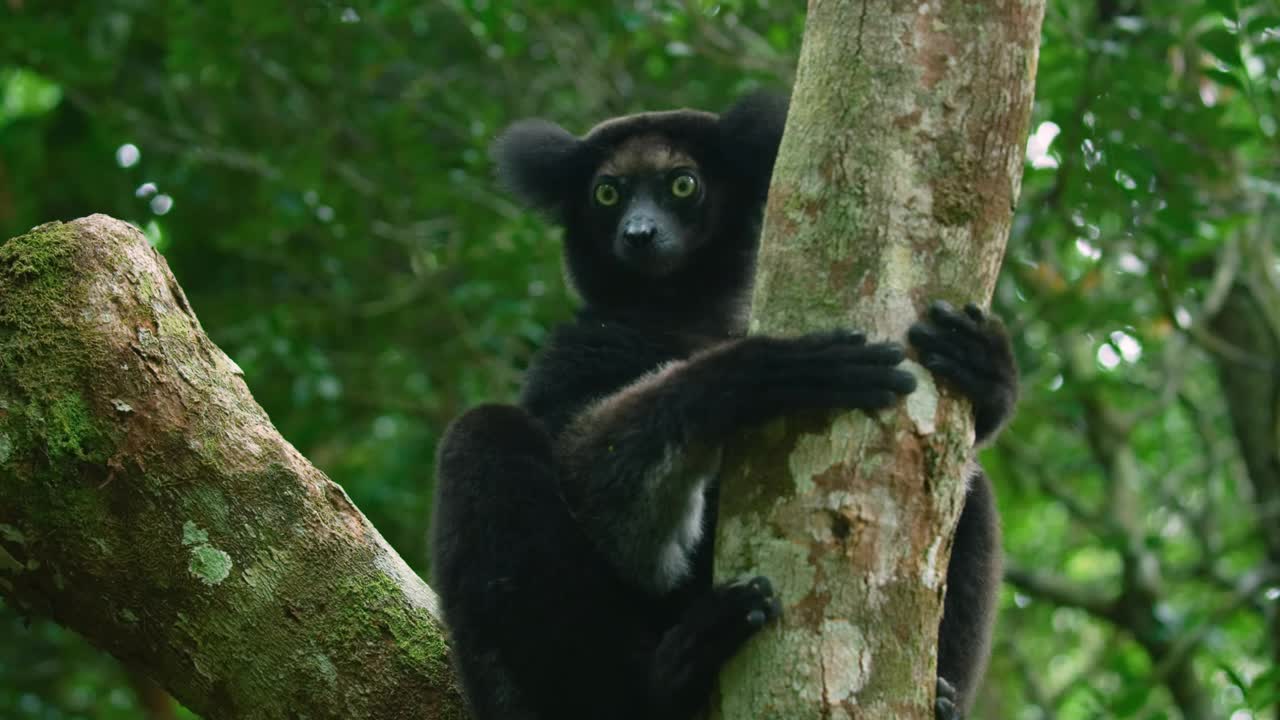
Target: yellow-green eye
[606, 194]
[684, 186]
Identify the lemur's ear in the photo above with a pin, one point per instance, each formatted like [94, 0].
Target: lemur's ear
[750, 133]
[539, 161]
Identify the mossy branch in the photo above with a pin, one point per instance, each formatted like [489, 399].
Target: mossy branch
[147, 502]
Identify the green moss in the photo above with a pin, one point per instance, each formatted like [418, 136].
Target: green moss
[69, 428]
[34, 272]
[193, 535]
[9, 563]
[209, 564]
[6, 448]
[173, 325]
[39, 251]
[262, 578]
[147, 288]
[956, 202]
[380, 600]
[322, 668]
[43, 357]
[80, 511]
[12, 534]
[208, 503]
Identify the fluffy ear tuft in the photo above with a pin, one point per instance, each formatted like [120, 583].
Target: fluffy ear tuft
[537, 161]
[750, 133]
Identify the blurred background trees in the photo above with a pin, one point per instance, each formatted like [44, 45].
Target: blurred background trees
[317, 176]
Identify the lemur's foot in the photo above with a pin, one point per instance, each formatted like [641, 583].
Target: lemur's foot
[755, 599]
[946, 705]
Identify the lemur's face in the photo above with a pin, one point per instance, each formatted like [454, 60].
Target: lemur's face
[648, 201]
[660, 209]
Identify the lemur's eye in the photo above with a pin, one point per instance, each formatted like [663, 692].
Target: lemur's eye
[684, 185]
[606, 194]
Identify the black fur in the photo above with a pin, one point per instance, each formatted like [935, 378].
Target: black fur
[537, 160]
[749, 135]
[573, 532]
[971, 351]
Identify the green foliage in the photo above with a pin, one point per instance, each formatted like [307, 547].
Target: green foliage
[47, 673]
[317, 177]
[26, 94]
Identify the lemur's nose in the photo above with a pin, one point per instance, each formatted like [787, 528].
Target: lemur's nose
[638, 232]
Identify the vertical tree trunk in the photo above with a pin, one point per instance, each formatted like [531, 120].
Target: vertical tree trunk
[895, 184]
[1249, 323]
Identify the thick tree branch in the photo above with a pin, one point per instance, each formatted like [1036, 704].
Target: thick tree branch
[147, 503]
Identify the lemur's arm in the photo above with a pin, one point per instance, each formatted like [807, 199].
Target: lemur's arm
[636, 461]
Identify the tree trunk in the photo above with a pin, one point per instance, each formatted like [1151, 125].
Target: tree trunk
[1248, 321]
[894, 186]
[147, 503]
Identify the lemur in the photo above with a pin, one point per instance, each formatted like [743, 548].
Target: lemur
[572, 537]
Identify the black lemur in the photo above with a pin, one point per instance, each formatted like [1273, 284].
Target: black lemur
[573, 531]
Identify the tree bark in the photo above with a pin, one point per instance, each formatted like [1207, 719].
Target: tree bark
[1248, 321]
[147, 503]
[894, 186]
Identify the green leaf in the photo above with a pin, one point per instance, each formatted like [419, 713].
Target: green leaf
[1227, 8]
[779, 37]
[1264, 693]
[1129, 703]
[1267, 50]
[1262, 23]
[1224, 77]
[155, 235]
[1223, 44]
[26, 94]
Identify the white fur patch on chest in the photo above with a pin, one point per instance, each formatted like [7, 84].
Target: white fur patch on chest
[675, 559]
[677, 554]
